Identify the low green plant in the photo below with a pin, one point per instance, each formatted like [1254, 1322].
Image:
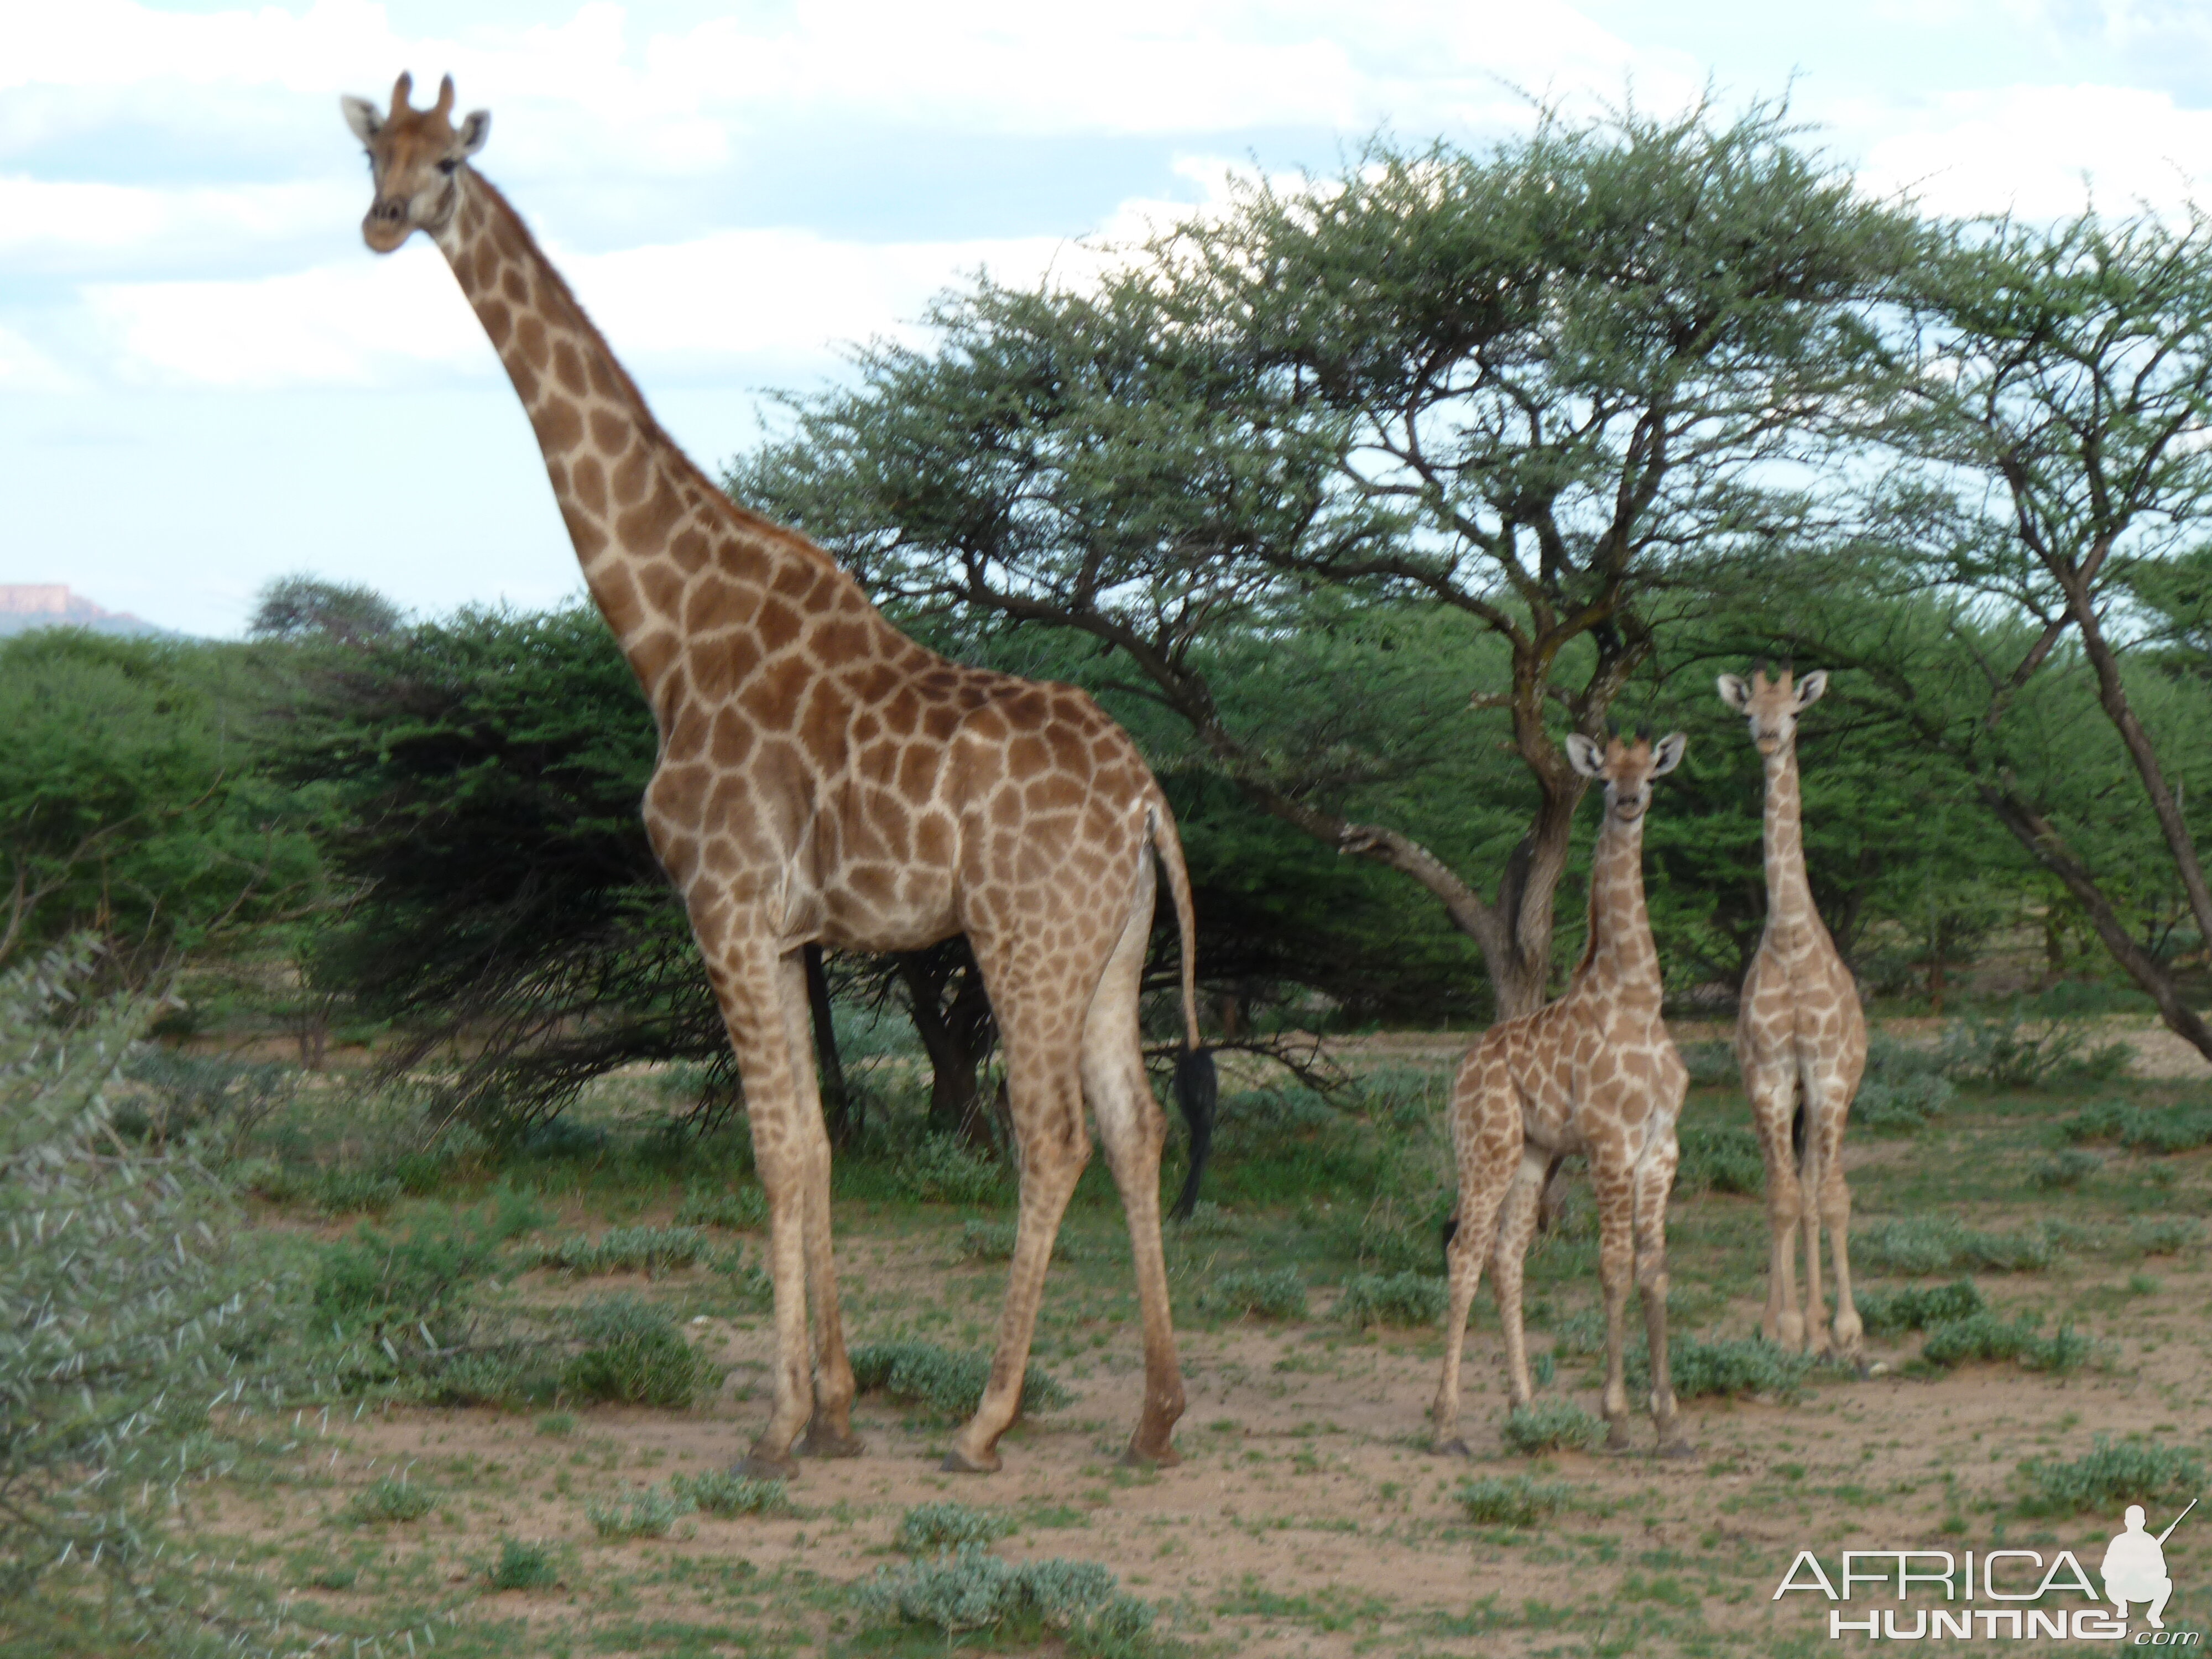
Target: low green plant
[1710, 1064]
[941, 1170]
[949, 1384]
[2015, 1050]
[1279, 1293]
[1916, 1307]
[945, 1526]
[2166, 1235]
[1513, 1500]
[354, 1192]
[993, 1241]
[650, 1250]
[742, 1210]
[1926, 1244]
[723, 1493]
[2157, 1129]
[2113, 1475]
[649, 1512]
[1547, 1426]
[392, 1499]
[1902, 1105]
[523, 1566]
[2066, 1168]
[1410, 1299]
[557, 1423]
[1721, 1159]
[632, 1353]
[968, 1590]
[1987, 1335]
[1700, 1369]
[1208, 1220]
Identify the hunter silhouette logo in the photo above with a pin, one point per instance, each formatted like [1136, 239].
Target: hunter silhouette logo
[2134, 1568]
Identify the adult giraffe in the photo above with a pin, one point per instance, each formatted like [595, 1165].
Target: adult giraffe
[822, 777]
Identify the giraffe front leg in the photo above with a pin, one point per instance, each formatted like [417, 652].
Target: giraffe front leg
[1517, 1226]
[1655, 1180]
[1835, 1206]
[1772, 1103]
[1616, 1261]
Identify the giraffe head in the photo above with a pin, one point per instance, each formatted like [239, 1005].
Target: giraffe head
[1626, 769]
[1774, 705]
[414, 156]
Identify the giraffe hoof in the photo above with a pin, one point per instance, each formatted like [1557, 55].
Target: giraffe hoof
[1454, 1447]
[1618, 1439]
[1137, 1457]
[757, 1465]
[830, 1443]
[1678, 1448]
[959, 1463]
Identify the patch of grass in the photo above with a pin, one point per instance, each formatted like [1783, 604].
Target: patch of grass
[373, 1276]
[1513, 1500]
[395, 1498]
[1710, 1064]
[1722, 1159]
[941, 1170]
[2113, 1476]
[652, 1250]
[1277, 1294]
[354, 1192]
[2166, 1235]
[1700, 1369]
[523, 1566]
[1552, 1426]
[557, 1423]
[1901, 1105]
[647, 1513]
[1935, 1244]
[993, 1241]
[946, 1526]
[633, 1354]
[1987, 1335]
[1208, 1220]
[2066, 1168]
[1916, 1307]
[1410, 1299]
[950, 1385]
[2159, 1129]
[741, 1211]
[2014, 1050]
[970, 1590]
[722, 1493]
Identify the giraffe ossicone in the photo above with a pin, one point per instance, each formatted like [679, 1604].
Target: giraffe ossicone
[824, 778]
[1594, 1072]
[1801, 1040]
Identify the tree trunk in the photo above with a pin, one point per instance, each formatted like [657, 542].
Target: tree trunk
[957, 1032]
[839, 1109]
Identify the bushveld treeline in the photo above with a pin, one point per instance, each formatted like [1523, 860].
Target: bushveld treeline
[1350, 499]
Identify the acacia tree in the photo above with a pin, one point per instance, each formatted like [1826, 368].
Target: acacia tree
[1530, 386]
[2067, 387]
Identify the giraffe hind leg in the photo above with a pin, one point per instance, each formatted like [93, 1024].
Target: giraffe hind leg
[1486, 1136]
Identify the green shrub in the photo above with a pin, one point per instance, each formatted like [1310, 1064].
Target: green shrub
[1901, 1105]
[1698, 1368]
[389, 1499]
[1935, 1244]
[557, 1423]
[1724, 1159]
[1552, 1426]
[949, 1384]
[350, 1192]
[1512, 1500]
[724, 1494]
[2180, 1129]
[523, 1566]
[1208, 1220]
[2013, 1051]
[1709, 1063]
[941, 1170]
[1409, 1299]
[179, 1093]
[1987, 1335]
[651, 1250]
[2165, 1234]
[945, 1526]
[2112, 1477]
[2069, 1167]
[633, 1354]
[741, 1211]
[374, 1277]
[1914, 1307]
[647, 1513]
[1279, 1294]
[993, 1241]
[970, 1590]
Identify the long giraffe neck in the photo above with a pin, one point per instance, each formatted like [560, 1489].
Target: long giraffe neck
[652, 532]
[1619, 950]
[1788, 892]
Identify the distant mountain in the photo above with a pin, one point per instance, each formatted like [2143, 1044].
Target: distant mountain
[25, 605]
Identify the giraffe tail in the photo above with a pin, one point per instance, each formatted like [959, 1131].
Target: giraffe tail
[1195, 1086]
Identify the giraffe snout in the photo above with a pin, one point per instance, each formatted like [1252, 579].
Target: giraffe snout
[384, 226]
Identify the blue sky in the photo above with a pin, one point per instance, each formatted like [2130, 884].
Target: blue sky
[206, 381]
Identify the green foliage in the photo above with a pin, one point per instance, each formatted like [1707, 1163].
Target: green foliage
[650, 1250]
[649, 1512]
[1279, 1293]
[2014, 1050]
[1924, 1244]
[723, 1493]
[941, 1170]
[1514, 1500]
[945, 1526]
[1698, 1368]
[633, 1354]
[1913, 1308]
[741, 1211]
[1208, 1220]
[1406, 1298]
[949, 1384]
[993, 1241]
[968, 1590]
[2114, 1474]
[524, 1566]
[1545, 1426]
[2165, 1234]
[2179, 1128]
[2066, 1168]
[388, 1500]
[374, 1280]
[1710, 1064]
[1985, 1335]
[180, 1094]
[1724, 1159]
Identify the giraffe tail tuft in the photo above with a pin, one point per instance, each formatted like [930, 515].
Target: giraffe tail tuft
[1195, 1088]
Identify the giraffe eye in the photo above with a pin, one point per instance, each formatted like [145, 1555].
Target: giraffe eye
[448, 165]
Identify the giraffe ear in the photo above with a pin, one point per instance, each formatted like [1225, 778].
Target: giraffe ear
[1584, 756]
[1666, 754]
[360, 115]
[1734, 693]
[475, 128]
[1810, 688]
